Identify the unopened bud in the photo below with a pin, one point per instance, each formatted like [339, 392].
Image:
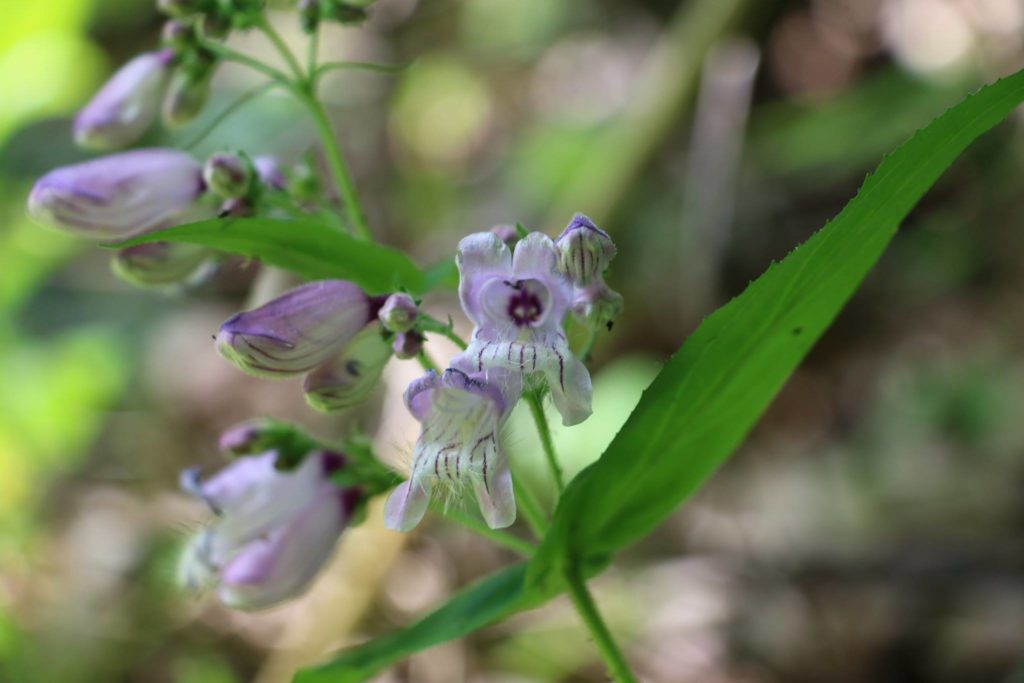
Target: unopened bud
[407, 345]
[216, 26]
[177, 34]
[297, 331]
[117, 196]
[399, 313]
[597, 306]
[343, 12]
[159, 264]
[347, 379]
[228, 175]
[185, 99]
[269, 172]
[584, 251]
[126, 105]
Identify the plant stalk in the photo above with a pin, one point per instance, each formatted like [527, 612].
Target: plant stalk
[603, 639]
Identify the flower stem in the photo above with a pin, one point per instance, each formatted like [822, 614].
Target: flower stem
[270, 32]
[544, 431]
[339, 170]
[530, 508]
[502, 538]
[603, 639]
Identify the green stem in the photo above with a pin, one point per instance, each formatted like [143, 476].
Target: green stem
[530, 508]
[312, 68]
[229, 55]
[603, 639]
[502, 538]
[339, 170]
[427, 363]
[242, 100]
[429, 324]
[544, 431]
[282, 48]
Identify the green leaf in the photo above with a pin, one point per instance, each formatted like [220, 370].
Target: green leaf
[706, 399]
[474, 607]
[306, 247]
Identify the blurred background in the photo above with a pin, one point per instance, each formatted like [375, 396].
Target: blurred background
[870, 529]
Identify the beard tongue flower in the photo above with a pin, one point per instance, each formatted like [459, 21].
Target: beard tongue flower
[517, 302]
[348, 378]
[274, 529]
[461, 414]
[126, 105]
[117, 196]
[297, 331]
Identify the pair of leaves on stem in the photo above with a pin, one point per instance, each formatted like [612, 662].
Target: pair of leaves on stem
[700, 407]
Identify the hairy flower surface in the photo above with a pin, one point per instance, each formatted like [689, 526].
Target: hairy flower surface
[517, 302]
[297, 331]
[117, 196]
[274, 529]
[461, 414]
[126, 105]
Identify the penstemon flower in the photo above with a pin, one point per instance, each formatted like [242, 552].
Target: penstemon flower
[461, 413]
[297, 331]
[517, 302]
[348, 378]
[585, 251]
[127, 104]
[161, 264]
[274, 529]
[120, 195]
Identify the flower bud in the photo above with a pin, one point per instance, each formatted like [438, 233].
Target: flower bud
[274, 528]
[297, 331]
[269, 172]
[584, 251]
[126, 105]
[179, 35]
[228, 175]
[159, 264]
[185, 98]
[508, 234]
[117, 196]
[343, 12]
[407, 345]
[247, 438]
[398, 313]
[348, 378]
[597, 306]
[217, 26]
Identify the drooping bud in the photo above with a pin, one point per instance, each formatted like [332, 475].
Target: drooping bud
[274, 528]
[228, 175]
[584, 251]
[159, 264]
[343, 12]
[269, 172]
[117, 196]
[348, 378]
[126, 105]
[178, 35]
[297, 331]
[185, 98]
[309, 15]
[399, 312]
[597, 306]
[407, 345]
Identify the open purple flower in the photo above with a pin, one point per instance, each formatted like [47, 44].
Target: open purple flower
[126, 105]
[461, 413]
[274, 528]
[118, 196]
[297, 331]
[517, 303]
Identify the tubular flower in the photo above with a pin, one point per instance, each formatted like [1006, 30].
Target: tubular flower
[161, 264]
[585, 251]
[117, 196]
[274, 529]
[297, 331]
[461, 413]
[126, 105]
[517, 303]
